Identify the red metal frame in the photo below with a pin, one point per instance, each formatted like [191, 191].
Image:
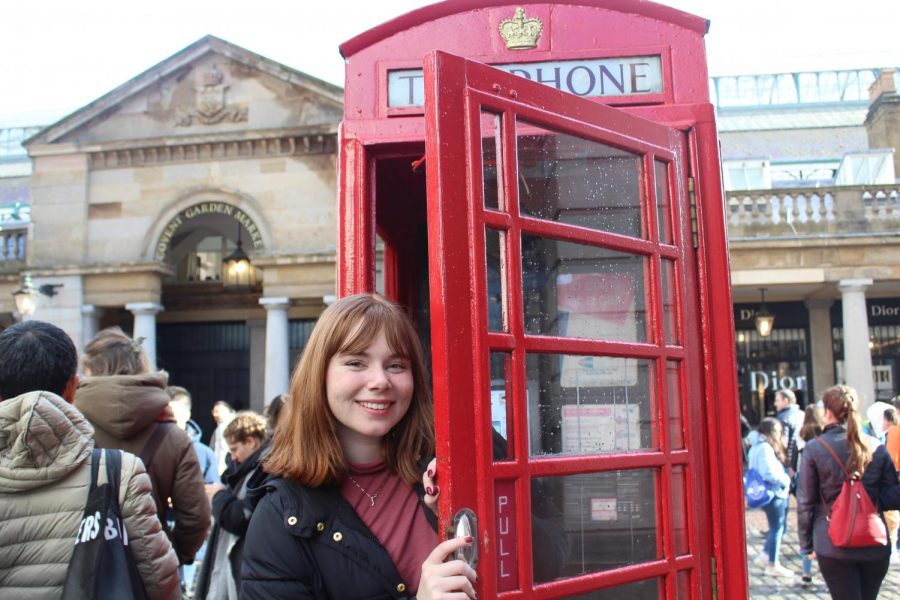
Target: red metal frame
[459, 91]
[371, 133]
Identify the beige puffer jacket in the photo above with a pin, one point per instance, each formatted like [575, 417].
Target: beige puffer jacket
[45, 455]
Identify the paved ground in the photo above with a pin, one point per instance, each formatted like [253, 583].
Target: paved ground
[762, 587]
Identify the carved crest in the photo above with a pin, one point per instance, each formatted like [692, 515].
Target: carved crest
[521, 33]
[210, 106]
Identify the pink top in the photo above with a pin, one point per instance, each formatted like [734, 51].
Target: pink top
[396, 518]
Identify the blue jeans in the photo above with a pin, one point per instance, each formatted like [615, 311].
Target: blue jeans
[807, 566]
[776, 514]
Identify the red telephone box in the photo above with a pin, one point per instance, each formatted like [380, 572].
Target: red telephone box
[555, 223]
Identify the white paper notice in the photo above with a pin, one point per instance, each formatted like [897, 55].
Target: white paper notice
[591, 428]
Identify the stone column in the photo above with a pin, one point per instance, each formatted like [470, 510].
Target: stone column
[821, 348]
[90, 322]
[857, 355]
[277, 346]
[145, 326]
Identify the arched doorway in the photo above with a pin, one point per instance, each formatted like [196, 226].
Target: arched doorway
[211, 319]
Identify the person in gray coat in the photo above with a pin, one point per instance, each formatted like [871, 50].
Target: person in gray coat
[850, 573]
[45, 466]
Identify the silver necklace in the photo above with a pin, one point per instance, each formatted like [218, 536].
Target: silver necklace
[371, 497]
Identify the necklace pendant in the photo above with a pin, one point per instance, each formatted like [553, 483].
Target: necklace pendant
[373, 501]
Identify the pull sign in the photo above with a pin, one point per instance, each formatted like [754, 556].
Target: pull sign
[507, 550]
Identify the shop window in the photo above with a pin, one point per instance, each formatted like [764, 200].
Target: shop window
[884, 344]
[768, 364]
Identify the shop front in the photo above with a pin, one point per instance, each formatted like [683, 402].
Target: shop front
[884, 344]
[780, 360]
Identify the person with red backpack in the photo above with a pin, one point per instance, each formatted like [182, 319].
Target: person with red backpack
[838, 524]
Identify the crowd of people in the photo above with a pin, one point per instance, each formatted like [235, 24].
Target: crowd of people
[282, 505]
[814, 455]
[286, 504]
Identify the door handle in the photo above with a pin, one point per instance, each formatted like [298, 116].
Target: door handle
[465, 524]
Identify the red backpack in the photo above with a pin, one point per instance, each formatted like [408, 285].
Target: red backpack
[854, 522]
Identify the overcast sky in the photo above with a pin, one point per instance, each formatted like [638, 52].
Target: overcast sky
[56, 55]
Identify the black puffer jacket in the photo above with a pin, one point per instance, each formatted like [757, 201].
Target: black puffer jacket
[820, 481]
[309, 543]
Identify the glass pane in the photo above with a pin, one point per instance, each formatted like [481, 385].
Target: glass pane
[501, 410]
[590, 404]
[571, 180]
[680, 533]
[597, 521]
[582, 291]
[683, 586]
[490, 144]
[379, 265]
[495, 261]
[670, 322]
[673, 392]
[647, 589]
[663, 210]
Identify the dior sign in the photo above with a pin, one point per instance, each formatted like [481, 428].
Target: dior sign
[760, 380]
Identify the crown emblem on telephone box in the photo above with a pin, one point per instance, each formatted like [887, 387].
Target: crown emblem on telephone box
[520, 33]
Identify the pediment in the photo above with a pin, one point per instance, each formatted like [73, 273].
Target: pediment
[212, 88]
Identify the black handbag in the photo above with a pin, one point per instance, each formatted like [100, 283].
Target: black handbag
[102, 567]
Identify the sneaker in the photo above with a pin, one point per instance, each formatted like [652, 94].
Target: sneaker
[762, 559]
[778, 571]
[806, 581]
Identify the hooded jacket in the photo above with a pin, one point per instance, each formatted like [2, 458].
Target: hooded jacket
[820, 482]
[762, 457]
[208, 465]
[45, 455]
[125, 410]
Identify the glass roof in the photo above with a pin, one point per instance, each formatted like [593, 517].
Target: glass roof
[819, 87]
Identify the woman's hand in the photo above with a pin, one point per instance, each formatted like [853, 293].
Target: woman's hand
[212, 489]
[447, 580]
[429, 481]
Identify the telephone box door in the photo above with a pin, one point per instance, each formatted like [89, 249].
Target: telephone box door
[566, 361]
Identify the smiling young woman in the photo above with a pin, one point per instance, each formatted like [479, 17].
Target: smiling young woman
[346, 468]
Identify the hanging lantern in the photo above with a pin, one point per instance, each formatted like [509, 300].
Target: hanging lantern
[238, 272]
[765, 320]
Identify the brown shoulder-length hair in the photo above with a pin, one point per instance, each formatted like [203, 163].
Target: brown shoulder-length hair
[305, 447]
[112, 352]
[772, 431]
[843, 402]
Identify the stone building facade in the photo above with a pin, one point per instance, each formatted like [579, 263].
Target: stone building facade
[138, 198]
[815, 221]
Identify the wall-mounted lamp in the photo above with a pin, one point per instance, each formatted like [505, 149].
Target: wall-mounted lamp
[238, 272]
[28, 295]
[765, 321]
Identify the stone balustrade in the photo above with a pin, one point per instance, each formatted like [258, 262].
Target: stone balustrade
[792, 212]
[12, 248]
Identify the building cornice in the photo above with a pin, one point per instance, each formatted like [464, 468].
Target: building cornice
[154, 267]
[130, 153]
